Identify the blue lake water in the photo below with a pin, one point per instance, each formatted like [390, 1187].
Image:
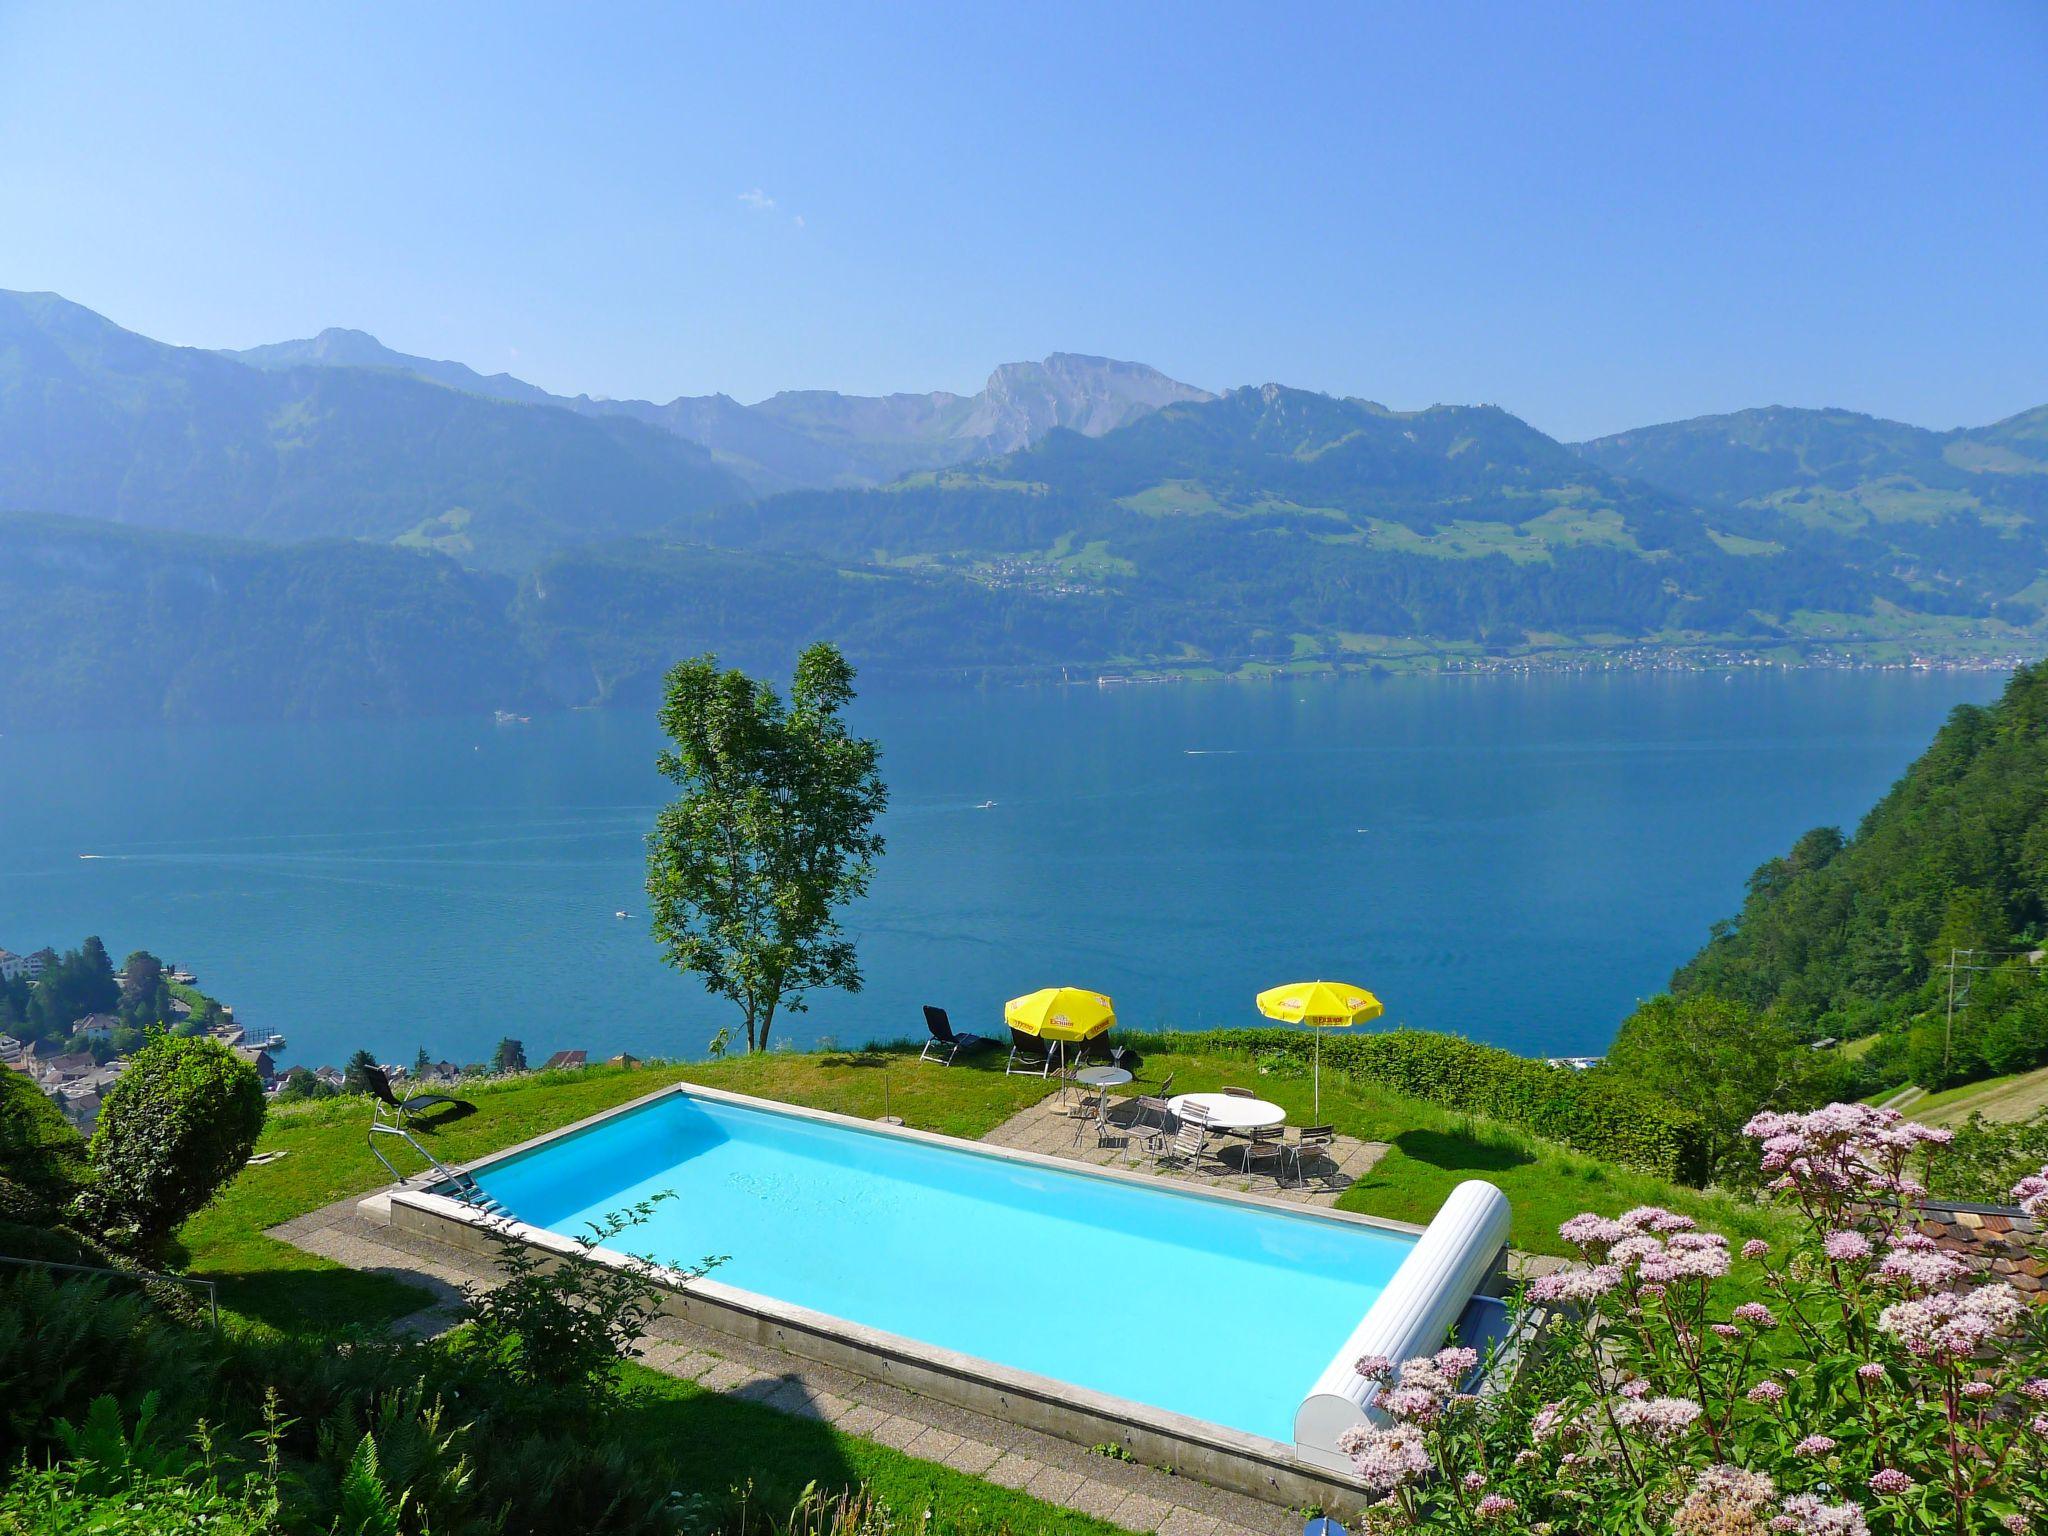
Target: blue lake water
[994, 1258]
[1514, 859]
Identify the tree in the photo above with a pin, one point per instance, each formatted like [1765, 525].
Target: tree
[302, 1083]
[421, 1066]
[175, 1127]
[509, 1057]
[101, 992]
[1717, 1058]
[141, 973]
[354, 1074]
[773, 831]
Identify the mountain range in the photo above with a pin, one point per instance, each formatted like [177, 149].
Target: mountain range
[815, 437]
[393, 533]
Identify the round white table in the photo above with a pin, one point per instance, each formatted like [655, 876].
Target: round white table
[1228, 1112]
[1102, 1079]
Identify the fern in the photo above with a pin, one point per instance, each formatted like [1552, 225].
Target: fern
[368, 1507]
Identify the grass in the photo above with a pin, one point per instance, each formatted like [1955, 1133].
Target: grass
[709, 1439]
[2015, 1096]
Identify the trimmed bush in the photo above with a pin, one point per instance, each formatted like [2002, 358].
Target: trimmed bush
[174, 1128]
[1582, 1110]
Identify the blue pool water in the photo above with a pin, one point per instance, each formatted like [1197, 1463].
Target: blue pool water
[1221, 1312]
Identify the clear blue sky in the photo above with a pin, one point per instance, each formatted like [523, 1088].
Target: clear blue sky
[1594, 215]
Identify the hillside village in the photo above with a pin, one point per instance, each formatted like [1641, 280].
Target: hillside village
[75, 1057]
[80, 1059]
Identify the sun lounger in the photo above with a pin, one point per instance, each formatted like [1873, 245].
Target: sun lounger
[413, 1102]
[1029, 1055]
[945, 1043]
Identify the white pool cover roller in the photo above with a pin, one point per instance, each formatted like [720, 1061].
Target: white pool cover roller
[1412, 1316]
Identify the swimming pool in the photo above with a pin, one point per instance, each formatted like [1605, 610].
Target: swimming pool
[1219, 1309]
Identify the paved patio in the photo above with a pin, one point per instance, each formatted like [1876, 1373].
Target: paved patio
[1052, 1127]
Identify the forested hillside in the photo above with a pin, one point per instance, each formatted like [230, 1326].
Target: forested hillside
[1277, 521]
[1843, 936]
[1956, 516]
[99, 422]
[105, 625]
[111, 625]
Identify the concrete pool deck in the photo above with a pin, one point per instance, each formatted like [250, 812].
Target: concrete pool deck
[1049, 1129]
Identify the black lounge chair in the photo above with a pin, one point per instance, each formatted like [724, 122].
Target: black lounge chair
[945, 1044]
[1028, 1055]
[413, 1102]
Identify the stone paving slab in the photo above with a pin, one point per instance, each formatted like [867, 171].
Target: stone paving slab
[1052, 1128]
[1128, 1495]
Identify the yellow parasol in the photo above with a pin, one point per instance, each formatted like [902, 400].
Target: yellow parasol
[1323, 1005]
[1060, 1013]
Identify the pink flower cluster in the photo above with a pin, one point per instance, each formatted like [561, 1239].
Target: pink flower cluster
[1654, 1245]
[1415, 1396]
[1805, 1515]
[1842, 1152]
[1658, 1419]
[2031, 1194]
[1949, 1327]
[1387, 1458]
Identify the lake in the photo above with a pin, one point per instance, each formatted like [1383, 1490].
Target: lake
[1514, 859]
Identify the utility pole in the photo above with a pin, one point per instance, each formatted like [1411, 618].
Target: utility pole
[1948, 1028]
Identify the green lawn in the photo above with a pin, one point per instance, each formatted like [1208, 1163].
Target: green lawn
[767, 1457]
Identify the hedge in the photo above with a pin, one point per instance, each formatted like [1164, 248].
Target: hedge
[1585, 1111]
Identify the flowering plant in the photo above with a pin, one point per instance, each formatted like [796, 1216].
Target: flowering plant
[1865, 1383]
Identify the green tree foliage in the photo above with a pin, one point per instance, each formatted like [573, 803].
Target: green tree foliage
[355, 1076]
[42, 1159]
[1988, 1157]
[174, 1128]
[510, 1056]
[772, 833]
[79, 982]
[1592, 1112]
[301, 1084]
[1724, 1062]
[141, 974]
[1841, 936]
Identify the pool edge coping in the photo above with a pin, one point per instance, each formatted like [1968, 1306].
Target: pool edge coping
[974, 1146]
[1264, 1468]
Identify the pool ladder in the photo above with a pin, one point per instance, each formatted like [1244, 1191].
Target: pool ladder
[461, 1183]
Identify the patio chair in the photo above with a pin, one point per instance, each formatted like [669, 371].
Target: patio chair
[1316, 1139]
[945, 1044]
[1028, 1055]
[1152, 1125]
[1265, 1144]
[413, 1102]
[1190, 1138]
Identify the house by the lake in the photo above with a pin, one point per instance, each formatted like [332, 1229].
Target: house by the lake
[13, 967]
